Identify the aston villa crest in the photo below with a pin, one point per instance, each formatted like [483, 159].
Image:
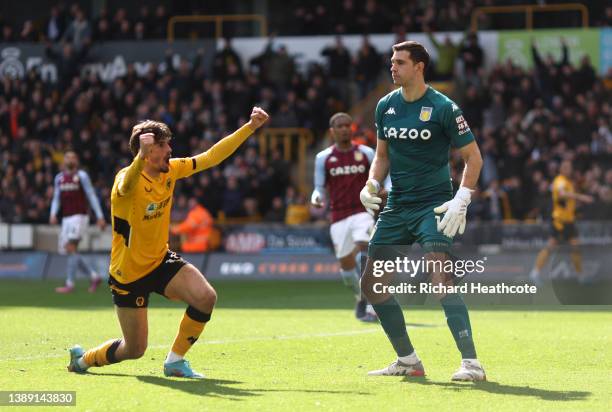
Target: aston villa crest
[425, 114]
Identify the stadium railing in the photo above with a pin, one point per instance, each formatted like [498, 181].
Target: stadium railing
[294, 143]
[218, 21]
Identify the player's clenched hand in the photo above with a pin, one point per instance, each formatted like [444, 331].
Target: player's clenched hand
[258, 118]
[454, 213]
[316, 199]
[146, 143]
[369, 196]
[101, 223]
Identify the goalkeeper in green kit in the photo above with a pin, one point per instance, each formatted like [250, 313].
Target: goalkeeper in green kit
[416, 127]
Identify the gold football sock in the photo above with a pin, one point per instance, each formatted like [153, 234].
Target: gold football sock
[542, 258]
[190, 330]
[103, 354]
[577, 259]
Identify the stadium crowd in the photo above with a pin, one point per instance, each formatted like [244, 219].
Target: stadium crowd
[285, 18]
[525, 121]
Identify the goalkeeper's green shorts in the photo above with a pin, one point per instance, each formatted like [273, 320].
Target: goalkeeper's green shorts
[405, 225]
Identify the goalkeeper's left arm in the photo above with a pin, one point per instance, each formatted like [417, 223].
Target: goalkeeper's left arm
[455, 209]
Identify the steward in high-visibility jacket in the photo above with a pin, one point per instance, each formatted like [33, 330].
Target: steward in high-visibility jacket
[196, 229]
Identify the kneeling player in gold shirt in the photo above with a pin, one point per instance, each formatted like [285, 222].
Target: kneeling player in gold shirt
[141, 262]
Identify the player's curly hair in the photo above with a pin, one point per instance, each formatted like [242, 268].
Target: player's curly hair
[160, 130]
[418, 52]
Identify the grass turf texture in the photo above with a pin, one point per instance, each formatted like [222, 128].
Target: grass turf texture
[296, 346]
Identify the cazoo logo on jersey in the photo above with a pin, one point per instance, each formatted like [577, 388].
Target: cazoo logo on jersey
[347, 170]
[405, 133]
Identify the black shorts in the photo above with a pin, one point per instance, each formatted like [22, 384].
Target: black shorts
[136, 294]
[563, 232]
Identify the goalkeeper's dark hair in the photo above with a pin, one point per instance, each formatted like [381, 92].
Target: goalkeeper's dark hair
[418, 53]
[337, 116]
[160, 130]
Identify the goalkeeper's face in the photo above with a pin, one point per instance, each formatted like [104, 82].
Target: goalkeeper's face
[403, 70]
[159, 156]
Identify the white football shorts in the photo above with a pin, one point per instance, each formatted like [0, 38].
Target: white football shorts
[73, 228]
[355, 228]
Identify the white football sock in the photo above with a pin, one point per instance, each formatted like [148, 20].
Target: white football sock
[82, 363]
[173, 357]
[473, 362]
[409, 359]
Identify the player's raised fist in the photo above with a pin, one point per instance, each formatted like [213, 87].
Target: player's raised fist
[146, 143]
[258, 118]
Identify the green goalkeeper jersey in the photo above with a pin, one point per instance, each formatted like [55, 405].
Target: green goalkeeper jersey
[419, 136]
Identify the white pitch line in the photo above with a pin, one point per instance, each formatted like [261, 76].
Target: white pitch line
[224, 341]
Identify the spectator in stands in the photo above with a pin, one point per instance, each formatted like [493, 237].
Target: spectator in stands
[374, 17]
[125, 31]
[547, 73]
[606, 21]
[584, 78]
[78, 32]
[276, 214]
[497, 206]
[8, 35]
[338, 68]
[471, 54]
[144, 17]
[280, 68]
[368, 64]
[346, 18]
[160, 22]
[28, 32]
[102, 31]
[55, 25]
[226, 58]
[232, 198]
[447, 55]
[298, 211]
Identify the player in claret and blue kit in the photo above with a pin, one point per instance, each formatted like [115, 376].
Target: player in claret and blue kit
[341, 170]
[416, 128]
[71, 192]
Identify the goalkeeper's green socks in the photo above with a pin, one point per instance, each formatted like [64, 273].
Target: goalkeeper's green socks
[392, 320]
[458, 322]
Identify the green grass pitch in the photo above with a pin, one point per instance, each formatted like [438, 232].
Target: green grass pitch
[296, 346]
